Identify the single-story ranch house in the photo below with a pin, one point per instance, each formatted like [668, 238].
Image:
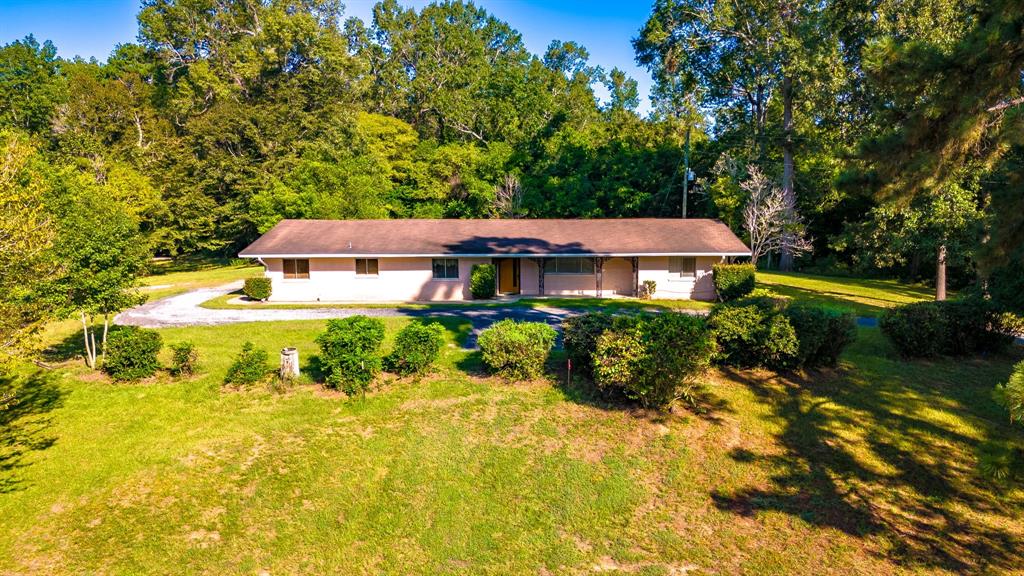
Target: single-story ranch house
[406, 260]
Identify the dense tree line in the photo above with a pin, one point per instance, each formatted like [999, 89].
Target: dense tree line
[891, 127]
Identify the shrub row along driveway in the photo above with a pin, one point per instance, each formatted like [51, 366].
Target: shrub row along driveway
[185, 310]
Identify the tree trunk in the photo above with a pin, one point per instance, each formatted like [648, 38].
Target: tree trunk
[786, 258]
[106, 326]
[90, 356]
[940, 274]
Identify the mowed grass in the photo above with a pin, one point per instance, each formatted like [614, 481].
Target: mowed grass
[170, 278]
[867, 469]
[865, 297]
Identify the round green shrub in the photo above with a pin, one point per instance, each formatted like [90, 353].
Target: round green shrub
[257, 288]
[733, 281]
[915, 330]
[1011, 394]
[131, 353]
[184, 359]
[653, 359]
[822, 334]
[579, 338]
[417, 346]
[753, 335]
[952, 327]
[483, 281]
[517, 350]
[248, 367]
[350, 352]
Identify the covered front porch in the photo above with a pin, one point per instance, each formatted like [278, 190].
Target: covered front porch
[595, 276]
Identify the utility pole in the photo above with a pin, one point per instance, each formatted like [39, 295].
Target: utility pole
[686, 173]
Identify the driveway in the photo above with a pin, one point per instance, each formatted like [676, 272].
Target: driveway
[185, 310]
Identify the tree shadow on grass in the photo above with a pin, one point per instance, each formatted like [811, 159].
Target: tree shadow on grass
[25, 402]
[69, 348]
[859, 456]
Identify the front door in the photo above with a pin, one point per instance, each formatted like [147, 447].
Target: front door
[508, 276]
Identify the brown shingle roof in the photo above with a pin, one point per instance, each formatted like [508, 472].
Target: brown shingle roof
[625, 236]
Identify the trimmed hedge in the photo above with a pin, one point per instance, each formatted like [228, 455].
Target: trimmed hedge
[950, 328]
[184, 359]
[517, 350]
[653, 359]
[249, 367]
[417, 346]
[753, 334]
[733, 281]
[579, 338]
[483, 281]
[350, 352]
[257, 288]
[131, 353]
[822, 334]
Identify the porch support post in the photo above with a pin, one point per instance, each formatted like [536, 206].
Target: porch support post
[635, 261]
[599, 272]
[540, 274]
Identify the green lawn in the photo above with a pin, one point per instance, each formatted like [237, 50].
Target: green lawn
[169, 277]
[866, 297]
[868, 469]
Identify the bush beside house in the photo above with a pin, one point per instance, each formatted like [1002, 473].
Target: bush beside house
[483, 281]
[733, 281]
[579, 338]
[131, 353]
[517, 350]
[257, 288]
[350, 352]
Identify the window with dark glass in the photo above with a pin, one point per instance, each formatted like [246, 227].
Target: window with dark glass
[569, 266]
[366, 267]
[446, 268]
[296, 269]
[682, 266]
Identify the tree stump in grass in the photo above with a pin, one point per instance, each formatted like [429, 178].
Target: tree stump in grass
[289, 363]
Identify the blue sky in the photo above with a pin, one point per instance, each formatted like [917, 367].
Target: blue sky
[91, 28]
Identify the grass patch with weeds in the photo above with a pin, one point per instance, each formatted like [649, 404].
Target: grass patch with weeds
[866, 469]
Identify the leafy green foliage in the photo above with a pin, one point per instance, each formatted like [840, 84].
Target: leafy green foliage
[952, 327]
[517, 350]
[350, 352]
[417, 346]
[258, 288]
[579, 338]
[184, 358]
[248, 367]
[653, 359]
[822, 334]
[647, 289]
[1011, 394]
[753, 334]
[131, 353]
[483, 281]
[733, 281]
